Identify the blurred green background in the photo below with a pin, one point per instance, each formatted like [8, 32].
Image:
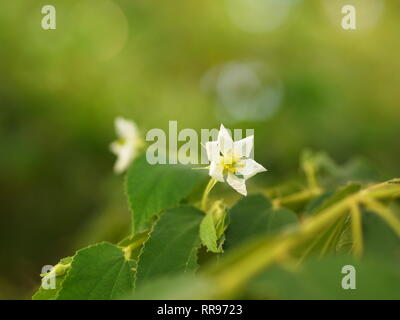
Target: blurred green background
[283, 67]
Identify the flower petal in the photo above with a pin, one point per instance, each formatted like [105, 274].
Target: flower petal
[212, 149]
[115, 147]
[125, 155]
[225, 141]
[216, 171]
[237, 183]
[242, 148]
[249, 167]
[126, 128]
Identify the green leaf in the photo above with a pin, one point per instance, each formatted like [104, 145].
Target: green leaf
[154, 188]
[98, 272]
[253, 216]
[344, 242]
[333, 238]
[172, 246]
[379, 238]
[322, 279]
[208, 234]
[213, 226]
[51, 294]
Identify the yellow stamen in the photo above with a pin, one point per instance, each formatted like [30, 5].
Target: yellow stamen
[231, 164]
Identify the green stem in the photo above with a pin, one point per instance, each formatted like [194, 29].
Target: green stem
[356, 229]
[311, 176]
[207, 190]
[134, 245]
[296, 198]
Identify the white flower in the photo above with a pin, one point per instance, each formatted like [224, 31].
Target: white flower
[231, 160]
[127, 145]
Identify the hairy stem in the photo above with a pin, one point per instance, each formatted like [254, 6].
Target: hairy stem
[204, 199]
[356, 229]
[132, 246]
[310, 172]
[299, 197]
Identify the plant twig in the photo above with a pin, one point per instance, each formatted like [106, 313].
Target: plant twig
[356, 229]
[299, 197]
[207, 190]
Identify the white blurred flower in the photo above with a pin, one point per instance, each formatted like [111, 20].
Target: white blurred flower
[230, 159]
[245, 90]
[259, 16]
[126, 147]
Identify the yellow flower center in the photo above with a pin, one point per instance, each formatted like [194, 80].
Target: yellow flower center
[121, 141]
[231, 164]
